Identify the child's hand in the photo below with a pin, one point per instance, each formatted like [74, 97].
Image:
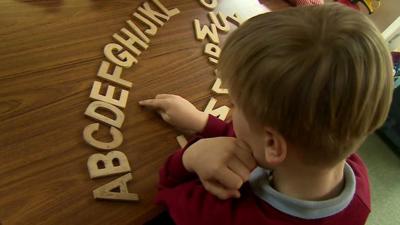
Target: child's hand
[178, 112]
[223, 164]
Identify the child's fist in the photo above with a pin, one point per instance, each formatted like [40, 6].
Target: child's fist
[178, 112]
[223, 164]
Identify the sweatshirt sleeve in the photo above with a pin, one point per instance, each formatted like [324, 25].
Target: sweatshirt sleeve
[191, 204]
[174, 172]
[182, 193]
[217, 128]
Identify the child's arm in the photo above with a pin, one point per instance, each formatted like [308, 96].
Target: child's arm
[189, 201]
[183, 115]
[223, 164]
[178, 112]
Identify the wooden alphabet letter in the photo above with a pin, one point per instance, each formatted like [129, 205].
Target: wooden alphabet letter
[125, 59]
[131, 41]
[213, 61]
[153, 15]
[114, 162]
[138, 31]
[152, 30]
[212, 50]
[182, 141]
[169, 12]
[115, 76]
[217, 87]
[115, 133]
[235, 19]
[119, 115]
[106, 191]
[209, 4]
[221, 112]
[109, 96]
[202, 32]
[220, 22]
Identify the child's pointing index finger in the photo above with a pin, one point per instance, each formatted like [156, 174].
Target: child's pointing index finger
[154, 103]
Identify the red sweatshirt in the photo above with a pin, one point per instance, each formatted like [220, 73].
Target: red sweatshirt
[188, 203]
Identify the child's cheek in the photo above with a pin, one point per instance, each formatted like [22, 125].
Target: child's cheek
[259, 156]
[236, 125]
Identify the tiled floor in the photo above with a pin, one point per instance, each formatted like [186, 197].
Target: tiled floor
[384, 172]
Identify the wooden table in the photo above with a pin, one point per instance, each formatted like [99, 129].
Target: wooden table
[50, 51]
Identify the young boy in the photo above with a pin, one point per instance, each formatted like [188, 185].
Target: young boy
[309, 85]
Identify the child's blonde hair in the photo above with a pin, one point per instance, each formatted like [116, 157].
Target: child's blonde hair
[320, 75]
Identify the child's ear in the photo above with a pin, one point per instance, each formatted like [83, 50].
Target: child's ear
[275, 147]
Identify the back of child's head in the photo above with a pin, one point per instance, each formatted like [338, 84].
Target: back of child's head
[321, 76]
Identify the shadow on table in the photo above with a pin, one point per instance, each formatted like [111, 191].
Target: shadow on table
[50, 5]
[162, 219]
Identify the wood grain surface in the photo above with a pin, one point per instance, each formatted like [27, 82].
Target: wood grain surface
[50, 51]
